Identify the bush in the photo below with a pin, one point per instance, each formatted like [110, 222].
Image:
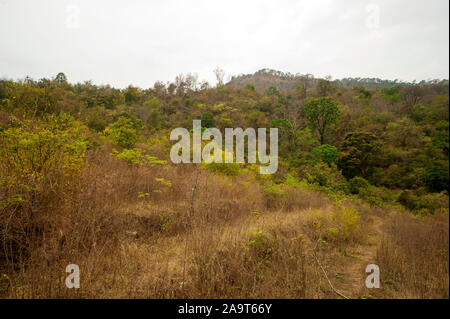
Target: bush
[328, 178]
[135, 156]
[260, 245]
[348, 221]
[325, 153]
[343, 224]
[124, 131]
[207, 120]
[356, 184]
[426, 203]
[40, 165]
[436, 179]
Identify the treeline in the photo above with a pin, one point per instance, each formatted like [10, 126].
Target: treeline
[286, 81]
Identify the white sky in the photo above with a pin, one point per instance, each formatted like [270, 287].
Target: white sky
[140, 42]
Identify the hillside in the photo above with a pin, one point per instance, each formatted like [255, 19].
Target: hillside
[285, 81]
[86, 178]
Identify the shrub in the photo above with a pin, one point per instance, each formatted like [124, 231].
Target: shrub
[328, 178]
[426, 203]
[124, 131]
[348, 221]
[229, 169]
[207, 120]
[356, 184]
[40, 165]
[260, 245]
[436, 179]
[135, 156]
[343, 224]
[325, 153]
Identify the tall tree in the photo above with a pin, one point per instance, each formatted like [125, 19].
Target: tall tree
[321, 114]
[358, 154]
[61, 78]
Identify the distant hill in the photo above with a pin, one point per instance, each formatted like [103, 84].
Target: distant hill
[286, 81]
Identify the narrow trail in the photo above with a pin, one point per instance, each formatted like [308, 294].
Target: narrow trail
[351, 279]
[346, 271]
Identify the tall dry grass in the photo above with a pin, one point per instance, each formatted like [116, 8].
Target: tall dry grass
[178, 231]
[413, 257]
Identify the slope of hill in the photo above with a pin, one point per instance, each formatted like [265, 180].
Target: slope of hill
[86, 178]
[285, 81]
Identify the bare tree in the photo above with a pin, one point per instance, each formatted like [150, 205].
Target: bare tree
[412, 94]
[160, 88]
[191, 82]
[180, 83]
[220, 74]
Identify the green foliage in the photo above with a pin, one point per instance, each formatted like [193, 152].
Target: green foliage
[250, 87]
[154, 120]
[424, 203]
[364, 94]
[437, 179]
[321, 113]
[377, 196]
[154, 102]
[260, 244]
[273, 91]
[124, 131]
[36, 157]
[405, 143]
[208, 120]
[229, 169]
[325, 153]
[61, 78]
[392, 94]
[356, 184]
[348, 221]
[131, 95]
[325, 87]
[359, 152]
[328, 178]
[136, 156]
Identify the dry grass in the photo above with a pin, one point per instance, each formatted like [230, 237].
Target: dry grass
[225, 239]
[413, 257]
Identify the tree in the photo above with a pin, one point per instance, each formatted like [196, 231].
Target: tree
[358, 154]
[437, 179]
[124, 131]
[324, 87]
[325, 153]
[207, 120]
[250, 87]
[131, 94]
[300, 91]
[61, 78]
[220, 74]
[321, 113]
[273, 92]
[412, 94]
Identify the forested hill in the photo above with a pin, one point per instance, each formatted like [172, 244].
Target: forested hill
[86, 177]
[285, 81]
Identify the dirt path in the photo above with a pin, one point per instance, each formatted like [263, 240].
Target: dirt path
[346, 270]
[351, 280]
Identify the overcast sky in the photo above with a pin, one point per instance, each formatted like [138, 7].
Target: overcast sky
[140, 42]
